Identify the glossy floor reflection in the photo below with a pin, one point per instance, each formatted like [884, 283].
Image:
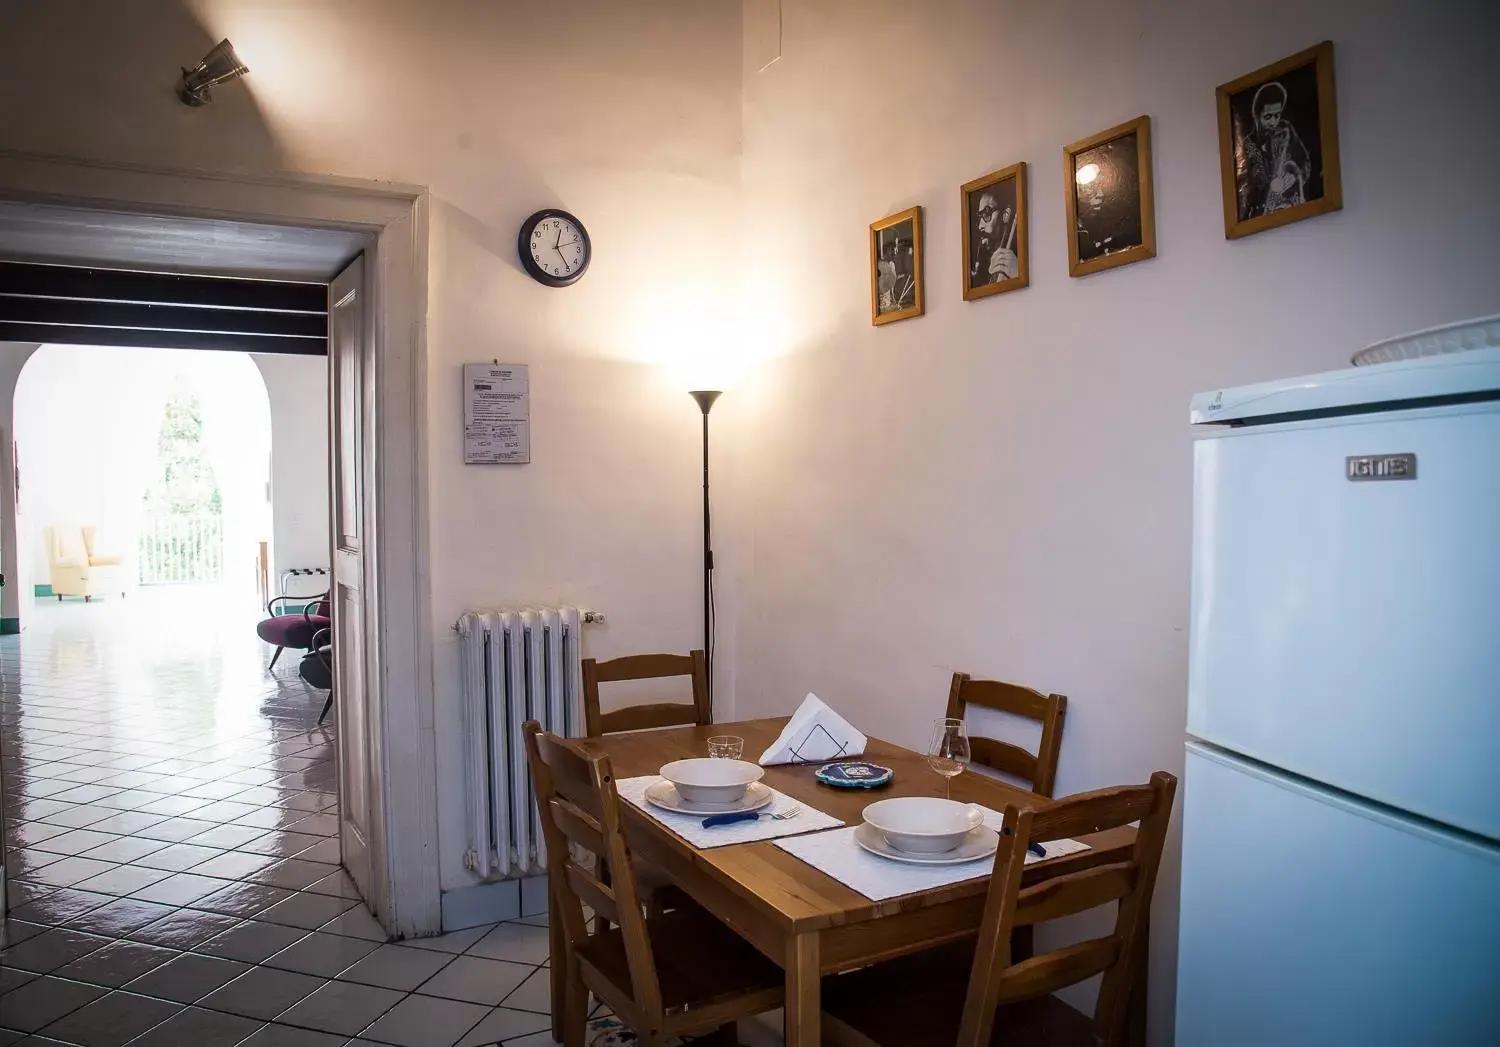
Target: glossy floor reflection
[172, 854]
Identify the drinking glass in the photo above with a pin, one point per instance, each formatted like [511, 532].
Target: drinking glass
[948, 752]
[726, 746]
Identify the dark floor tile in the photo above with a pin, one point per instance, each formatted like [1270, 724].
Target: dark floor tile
[118, 918]
[42, 1001]
[341, 1007]
[196, 1027]
[60, 906]
[262, 992]
[184, 929]
[251, 942]
[243, 899]
[188, 978]
[48, 951]
[116, 963]
[111, 1020]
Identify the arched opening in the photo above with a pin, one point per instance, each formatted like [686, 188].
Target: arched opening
[150, 464]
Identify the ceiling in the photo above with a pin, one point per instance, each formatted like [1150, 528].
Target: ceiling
[40, 233]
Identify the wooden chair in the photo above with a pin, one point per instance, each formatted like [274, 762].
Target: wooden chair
[1038, 771]
[920, 1000]
[681, 974]
[643, 717]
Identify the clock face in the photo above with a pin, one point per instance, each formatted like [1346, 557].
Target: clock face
[559, 247]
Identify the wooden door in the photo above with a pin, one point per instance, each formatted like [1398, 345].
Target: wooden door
[351, 394]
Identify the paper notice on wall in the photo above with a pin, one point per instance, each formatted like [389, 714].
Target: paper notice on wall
[497, 414]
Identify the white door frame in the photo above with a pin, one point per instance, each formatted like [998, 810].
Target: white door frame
[396, 215]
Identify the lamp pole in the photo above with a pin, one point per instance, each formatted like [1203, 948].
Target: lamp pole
[706, 398]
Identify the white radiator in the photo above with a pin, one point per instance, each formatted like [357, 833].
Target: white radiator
[517, 666]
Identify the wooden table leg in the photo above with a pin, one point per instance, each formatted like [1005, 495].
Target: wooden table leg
[804, 1001]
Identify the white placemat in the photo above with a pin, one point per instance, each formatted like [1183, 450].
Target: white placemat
[836, 854]
[690, 826]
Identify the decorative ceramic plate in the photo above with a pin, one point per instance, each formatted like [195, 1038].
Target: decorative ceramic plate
[980, 842]
[664, 794]
[855, 774]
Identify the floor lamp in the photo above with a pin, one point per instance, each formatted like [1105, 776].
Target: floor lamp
[706, 398]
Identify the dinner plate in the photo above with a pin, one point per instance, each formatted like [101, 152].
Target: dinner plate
[664, 794]
[980, 842]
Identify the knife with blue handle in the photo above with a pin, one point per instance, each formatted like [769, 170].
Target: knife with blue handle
[715, 820]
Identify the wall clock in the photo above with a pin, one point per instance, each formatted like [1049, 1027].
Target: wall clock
[554, 247]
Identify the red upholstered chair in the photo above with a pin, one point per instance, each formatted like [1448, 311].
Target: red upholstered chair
[296, 630]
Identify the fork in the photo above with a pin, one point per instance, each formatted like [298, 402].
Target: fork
[714, 820]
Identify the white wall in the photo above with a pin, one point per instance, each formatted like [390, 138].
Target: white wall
[1003, 486]
[626, 114]
[298, 390]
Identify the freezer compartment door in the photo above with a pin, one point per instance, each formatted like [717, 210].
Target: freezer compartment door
[1313, 921]
[1349, 630]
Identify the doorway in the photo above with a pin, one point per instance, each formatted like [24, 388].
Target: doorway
[163, 458]
[399, 826]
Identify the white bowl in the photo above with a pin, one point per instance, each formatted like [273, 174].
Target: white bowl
[923, 824]
[707, 780]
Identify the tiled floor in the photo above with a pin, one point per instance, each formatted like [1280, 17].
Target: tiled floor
[171, 843]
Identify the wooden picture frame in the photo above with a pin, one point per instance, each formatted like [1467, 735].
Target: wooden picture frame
[896, 291]
[984, 267]
[1276, 174]
[1115, 223]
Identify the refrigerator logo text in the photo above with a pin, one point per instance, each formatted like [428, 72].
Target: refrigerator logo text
[1381, 467]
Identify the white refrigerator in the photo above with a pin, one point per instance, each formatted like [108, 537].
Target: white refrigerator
[1341, 809]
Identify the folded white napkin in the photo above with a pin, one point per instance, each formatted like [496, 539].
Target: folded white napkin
[815, 733]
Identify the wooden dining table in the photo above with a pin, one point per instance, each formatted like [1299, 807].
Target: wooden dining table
[807, 922]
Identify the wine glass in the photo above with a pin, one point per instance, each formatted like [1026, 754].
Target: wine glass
[948, 752]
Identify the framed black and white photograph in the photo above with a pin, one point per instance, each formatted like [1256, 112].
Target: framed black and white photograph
[1279, 143]
[995, 245]
[1110, 202]
[896, 267]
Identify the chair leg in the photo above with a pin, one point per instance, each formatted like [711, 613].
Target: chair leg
[558, 966]
[274, 657]
[326, 706]
[575, 1017]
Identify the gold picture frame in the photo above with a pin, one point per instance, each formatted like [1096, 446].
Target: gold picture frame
[997, 246]
[896, 285]
[1274, 172]
[1115, 222]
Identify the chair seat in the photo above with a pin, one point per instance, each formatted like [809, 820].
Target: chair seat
[316, 671]
[291, 630]
[699, 961]
[918, 1001]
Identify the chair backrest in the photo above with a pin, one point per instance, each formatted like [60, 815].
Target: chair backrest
[65, 546]
[642, 717]
[995, 980]
[1038, 770]
[580, 811]
[319, 606]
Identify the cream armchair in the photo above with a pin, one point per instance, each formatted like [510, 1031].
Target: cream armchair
[77, 566]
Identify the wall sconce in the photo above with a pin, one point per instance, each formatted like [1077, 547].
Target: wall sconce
[219, 66]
